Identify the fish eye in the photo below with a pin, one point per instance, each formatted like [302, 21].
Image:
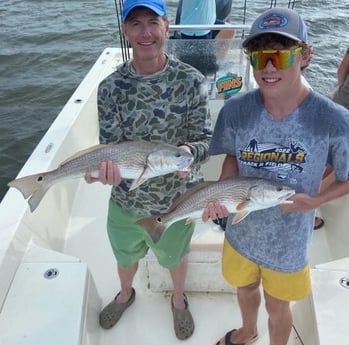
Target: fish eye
[279, 188]
[178, 154]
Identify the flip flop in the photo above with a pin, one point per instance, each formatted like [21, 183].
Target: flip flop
[228, 337]
[320, 224]
[112, 313]
[182, 320]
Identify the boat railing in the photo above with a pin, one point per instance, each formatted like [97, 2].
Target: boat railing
[227, 26]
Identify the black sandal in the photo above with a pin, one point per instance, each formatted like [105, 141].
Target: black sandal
[319, 223]
[228, 337]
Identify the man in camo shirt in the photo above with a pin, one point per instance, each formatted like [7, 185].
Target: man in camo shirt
[157, 98]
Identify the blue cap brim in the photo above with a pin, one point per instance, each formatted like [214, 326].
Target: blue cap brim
[156, 10]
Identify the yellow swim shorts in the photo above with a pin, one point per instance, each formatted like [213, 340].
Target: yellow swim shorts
[239, 272]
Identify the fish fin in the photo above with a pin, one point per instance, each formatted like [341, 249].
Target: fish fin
[179, 200]
[36, 197]
[192, 220]
[242, 205]
[83, 152]
[240, 216]
[136, 183]
[31, 186]
[154, 226]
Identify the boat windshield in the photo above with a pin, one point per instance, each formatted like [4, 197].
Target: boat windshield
[221, 61]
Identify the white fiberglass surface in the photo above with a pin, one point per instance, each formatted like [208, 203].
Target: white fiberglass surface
[149, 319]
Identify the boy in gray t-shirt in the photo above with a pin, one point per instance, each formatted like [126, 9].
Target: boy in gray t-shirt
[285, 132]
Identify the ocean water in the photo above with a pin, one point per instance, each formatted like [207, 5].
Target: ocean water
[47, 46]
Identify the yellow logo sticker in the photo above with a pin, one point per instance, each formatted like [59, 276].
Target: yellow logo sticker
[229, 84]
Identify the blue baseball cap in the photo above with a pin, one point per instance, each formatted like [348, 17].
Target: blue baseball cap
[157, 6]
[281, 21]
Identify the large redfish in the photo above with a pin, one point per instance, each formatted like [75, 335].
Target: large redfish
[241, 195]
[138, 160]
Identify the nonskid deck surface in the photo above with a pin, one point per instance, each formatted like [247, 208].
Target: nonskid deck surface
[149, 320]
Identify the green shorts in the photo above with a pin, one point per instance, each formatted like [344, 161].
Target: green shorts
[130, 242]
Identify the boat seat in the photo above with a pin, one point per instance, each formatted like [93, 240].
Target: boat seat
[204, 266]
[325, 311]
[50, 303]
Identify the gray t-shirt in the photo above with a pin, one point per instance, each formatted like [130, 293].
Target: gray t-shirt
[294, 151]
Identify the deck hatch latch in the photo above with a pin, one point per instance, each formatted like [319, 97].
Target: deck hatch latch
[344, 282]
[51, 273]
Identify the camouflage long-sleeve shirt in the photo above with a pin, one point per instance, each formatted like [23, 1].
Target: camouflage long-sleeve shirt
[169, 106]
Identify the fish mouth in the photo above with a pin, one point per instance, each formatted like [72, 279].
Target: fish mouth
[285, 197]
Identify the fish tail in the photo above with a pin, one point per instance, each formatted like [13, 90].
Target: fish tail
[31, 186]
[154, 226]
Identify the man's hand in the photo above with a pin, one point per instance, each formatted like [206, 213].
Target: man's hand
[214, 210]
[108, 174]
[301, 203]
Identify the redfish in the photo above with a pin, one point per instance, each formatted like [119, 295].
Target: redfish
[241, 195]
[137, 160]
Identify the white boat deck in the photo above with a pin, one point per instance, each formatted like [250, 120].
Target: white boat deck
[68, 232]
[150, 316]
[149, 319]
